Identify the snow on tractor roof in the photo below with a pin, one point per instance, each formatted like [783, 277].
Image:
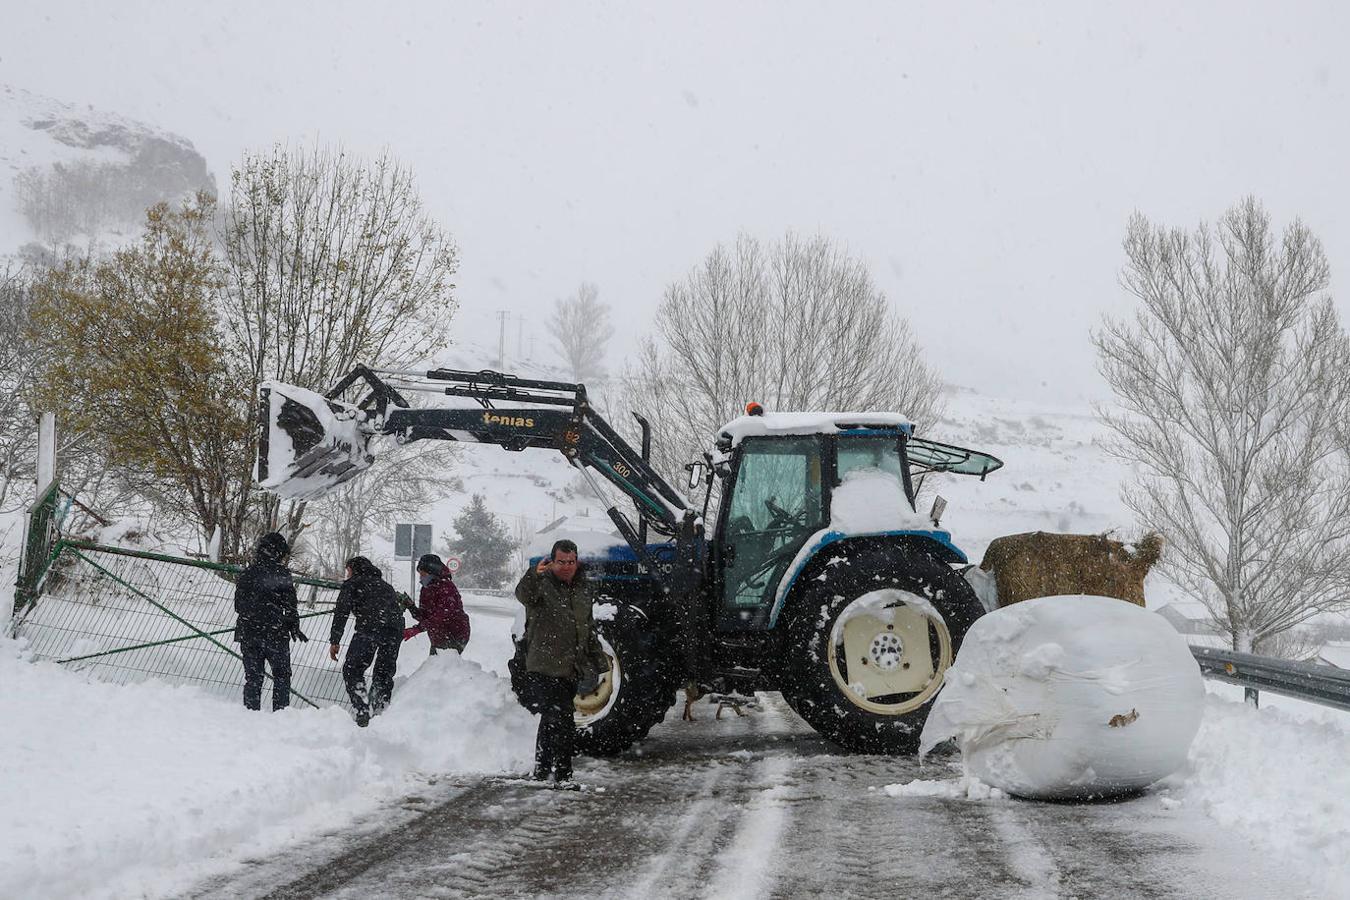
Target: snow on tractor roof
[809, 423]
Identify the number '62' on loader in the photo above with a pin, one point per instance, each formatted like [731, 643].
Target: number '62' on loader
[818, 579]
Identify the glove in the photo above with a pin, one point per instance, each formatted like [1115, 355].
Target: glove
[298, 635]
[405, 601]
[410, 633]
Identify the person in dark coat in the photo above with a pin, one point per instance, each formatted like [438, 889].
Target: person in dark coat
[562, 649]
[439, 610]
[368, 598]
[268, 620]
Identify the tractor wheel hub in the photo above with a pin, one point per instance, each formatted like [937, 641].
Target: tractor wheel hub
[886, 651]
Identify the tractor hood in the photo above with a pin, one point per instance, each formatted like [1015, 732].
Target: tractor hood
[309, 444]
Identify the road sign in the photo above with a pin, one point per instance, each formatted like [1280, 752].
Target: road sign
[452, 563]
[411, 541]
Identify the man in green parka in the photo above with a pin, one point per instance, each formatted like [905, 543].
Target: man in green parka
[562, 650]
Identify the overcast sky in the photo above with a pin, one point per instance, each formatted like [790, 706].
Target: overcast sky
[981, 159]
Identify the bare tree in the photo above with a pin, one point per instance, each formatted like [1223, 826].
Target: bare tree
[330, 263]
[1233, 392]
[797, 326]
[581, 332]
[402, 481]
[522, 532]
[20, 363]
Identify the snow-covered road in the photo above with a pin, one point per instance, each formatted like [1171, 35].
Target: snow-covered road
[761, 807]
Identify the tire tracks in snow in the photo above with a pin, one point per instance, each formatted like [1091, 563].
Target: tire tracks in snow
[749, 808]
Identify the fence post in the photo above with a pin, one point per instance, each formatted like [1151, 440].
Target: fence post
[1252, 696]
[40, 533]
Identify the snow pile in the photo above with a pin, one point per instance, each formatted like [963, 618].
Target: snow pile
[967, 787]
[1278, 781]
[120, 790]
[871, 500]
[1070, 697]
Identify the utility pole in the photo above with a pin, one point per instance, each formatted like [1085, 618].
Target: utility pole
[520, 337]
[501, 339]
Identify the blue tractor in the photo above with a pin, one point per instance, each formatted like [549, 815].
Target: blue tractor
[815, 576]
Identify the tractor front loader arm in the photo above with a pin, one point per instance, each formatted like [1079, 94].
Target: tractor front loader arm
[311, 443]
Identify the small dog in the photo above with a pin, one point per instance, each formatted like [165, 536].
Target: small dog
[725, 700]
[692, 693]
[1122, 719]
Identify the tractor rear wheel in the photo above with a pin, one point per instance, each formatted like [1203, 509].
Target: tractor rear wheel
[637, 691]
[869, 643]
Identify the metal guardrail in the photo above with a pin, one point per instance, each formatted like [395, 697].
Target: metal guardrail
[1304, 681]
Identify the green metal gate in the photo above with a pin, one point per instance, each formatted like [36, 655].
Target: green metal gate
[129, 615]
[39, 538]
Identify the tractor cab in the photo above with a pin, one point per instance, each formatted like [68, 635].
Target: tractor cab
[781, 504]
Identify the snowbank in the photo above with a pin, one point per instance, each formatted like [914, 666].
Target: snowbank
[1070, 697]
[117, 790]
[1278, 781]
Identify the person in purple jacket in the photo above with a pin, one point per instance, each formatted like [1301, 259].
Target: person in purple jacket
[440, 611]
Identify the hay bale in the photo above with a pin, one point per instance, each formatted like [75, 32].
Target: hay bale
[1044, 564]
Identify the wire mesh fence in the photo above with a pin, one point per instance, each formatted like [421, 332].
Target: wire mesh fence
[127, 615]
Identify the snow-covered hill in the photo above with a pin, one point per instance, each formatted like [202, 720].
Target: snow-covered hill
[82, 173]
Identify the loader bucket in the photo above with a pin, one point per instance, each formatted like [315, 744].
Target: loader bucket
[309, 444]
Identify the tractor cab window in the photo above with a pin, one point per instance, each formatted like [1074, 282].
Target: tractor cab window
[870, 451]
[776, 503]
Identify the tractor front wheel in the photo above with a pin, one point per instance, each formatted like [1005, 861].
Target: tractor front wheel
[869, 644]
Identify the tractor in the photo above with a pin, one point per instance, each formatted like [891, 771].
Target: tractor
[816, 576]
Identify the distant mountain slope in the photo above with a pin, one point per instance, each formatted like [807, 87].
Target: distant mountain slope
[74, 174]
[1056, 474]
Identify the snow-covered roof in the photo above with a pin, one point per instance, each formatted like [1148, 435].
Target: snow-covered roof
[596, 538]
[809, 423]
[1335, 653]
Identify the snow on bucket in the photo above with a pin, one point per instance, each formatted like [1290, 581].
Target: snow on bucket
[1070, 697]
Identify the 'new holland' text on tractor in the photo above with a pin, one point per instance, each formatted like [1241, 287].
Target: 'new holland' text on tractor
[819, 579]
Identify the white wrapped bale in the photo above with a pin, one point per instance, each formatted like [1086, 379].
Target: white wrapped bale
[1070, 697]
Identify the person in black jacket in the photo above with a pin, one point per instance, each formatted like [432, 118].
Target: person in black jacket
[269, 619]
[367, 597]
